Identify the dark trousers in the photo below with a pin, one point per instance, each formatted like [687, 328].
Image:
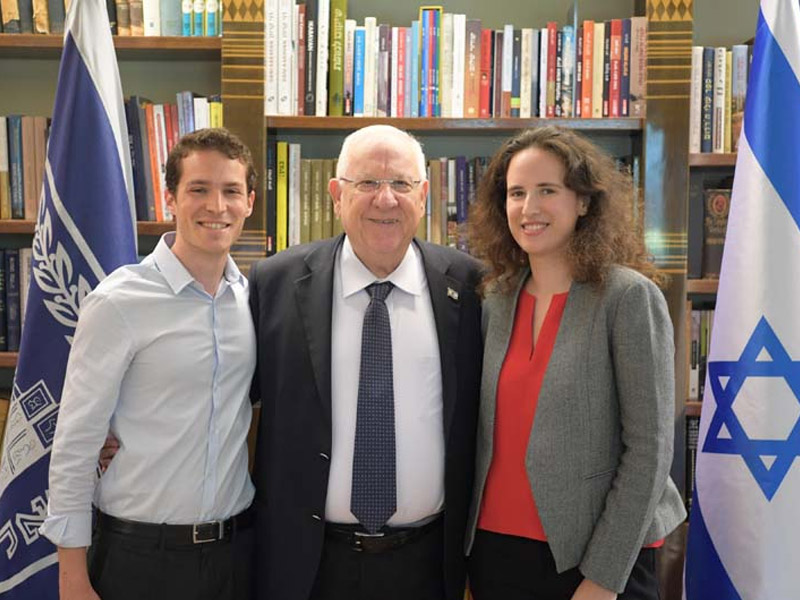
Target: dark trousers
[124, 567]
[505, 567]
[414, 570]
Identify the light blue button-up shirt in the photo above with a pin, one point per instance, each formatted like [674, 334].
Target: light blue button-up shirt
[167, 367]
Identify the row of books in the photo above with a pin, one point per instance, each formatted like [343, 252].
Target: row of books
[319, 62]
[153, 129]
[717, 95]
[15, 274]
[126, 17]
[708, 222]
[701, 325]
[23, 140]
[299, 208]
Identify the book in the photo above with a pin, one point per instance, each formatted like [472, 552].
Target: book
[136, 10]
[310, 83]
[447, 65]
[740, 69]
[295, 209]
[638, 83]
[567, 71]
[282, 197]
[328, 172]
[123, 18]
[56, 14]
[715, 222]
[695, 98]
[10, 12]
[5, 183]
[3, 315]
[587, 71]
[323, 37]
[358, 71]
[625, 84]
[516, 72]
[338, 15]
[151, 14]
[170, 15]
[692, 439]
[305, 200]
[349, 59]
[707, 101]
[615, 58]
[13, 323]
[30, 187]
[317, 198]
[485, 95]
[270, 177]
[285, 106]
[718, 102]
[459, 66]
[16, 179]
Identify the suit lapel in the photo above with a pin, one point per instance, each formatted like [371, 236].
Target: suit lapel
[445, 294]
[315, 300]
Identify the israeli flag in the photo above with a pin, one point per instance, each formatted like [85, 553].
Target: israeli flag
[745, 522]
[84, 230]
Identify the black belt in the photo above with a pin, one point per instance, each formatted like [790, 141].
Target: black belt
[388, 538]
[178, 535]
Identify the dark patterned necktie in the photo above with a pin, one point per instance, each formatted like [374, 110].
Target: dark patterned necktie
[374, 495]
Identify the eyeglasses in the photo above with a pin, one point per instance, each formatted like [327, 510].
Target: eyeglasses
[370, 186]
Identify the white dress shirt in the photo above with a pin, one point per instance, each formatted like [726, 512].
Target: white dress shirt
[168, 367]
[419, 429]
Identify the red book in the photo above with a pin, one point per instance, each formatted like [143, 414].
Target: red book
[552, 32]
[301, 59]
[485, 105]
[168, 125]
[173, 115]
[152, 143]
[615, 83]
[586, 72]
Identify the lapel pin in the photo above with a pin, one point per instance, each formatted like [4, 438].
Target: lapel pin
[452, 294]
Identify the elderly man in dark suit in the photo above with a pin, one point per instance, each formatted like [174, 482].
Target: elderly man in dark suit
[369, 361]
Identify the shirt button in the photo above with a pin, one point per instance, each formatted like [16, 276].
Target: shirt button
[316, 517]
[324, 456]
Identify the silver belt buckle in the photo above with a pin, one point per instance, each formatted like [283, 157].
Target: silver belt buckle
[202, 533]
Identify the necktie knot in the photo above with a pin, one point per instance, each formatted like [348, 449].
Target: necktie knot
[380, 290]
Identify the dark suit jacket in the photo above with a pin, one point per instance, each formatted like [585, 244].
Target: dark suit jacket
[290, 296]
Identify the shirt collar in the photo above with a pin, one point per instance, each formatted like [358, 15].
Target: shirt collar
[176, 275]
[409, 275]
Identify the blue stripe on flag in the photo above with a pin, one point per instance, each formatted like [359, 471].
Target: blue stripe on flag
[772, 118]
[82, 134]
[705, 577]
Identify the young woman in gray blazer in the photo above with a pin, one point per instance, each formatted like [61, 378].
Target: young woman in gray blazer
[572, 489]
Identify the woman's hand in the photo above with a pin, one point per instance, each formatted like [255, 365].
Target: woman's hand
[589, 590]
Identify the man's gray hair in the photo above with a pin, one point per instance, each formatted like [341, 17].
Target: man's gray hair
[380, 132]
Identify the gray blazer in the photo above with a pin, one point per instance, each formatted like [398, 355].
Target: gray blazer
[600, 449]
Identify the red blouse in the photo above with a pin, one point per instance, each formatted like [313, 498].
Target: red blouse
[508, 506]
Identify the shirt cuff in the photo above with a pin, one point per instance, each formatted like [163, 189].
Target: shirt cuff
[68, 531]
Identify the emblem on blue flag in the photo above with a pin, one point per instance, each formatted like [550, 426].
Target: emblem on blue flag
[84, 230]
[743, 527]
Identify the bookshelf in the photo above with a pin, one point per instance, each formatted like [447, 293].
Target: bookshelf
[26, 227]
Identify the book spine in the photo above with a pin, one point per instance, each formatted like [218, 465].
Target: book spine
[567, 70]
[152, 17]
[170, 15]
[718, 102]
[738, 91]
[3, 311]
[383, 69]
[578, 91]
[370, 66]
[186, 17]
[305, 200]
[56, 14]
[15, 167]
[638, 90]
[597, 69]
[726, 138]
[281, 198]
[338, 15]
[526, 35]
[198, 17]
[587, 86]
[552, 65]
[323, 38]
[294, 214]
[284, 57]
[399, 60]
[615, 83]
[123, 19]
[358, 72]
[5, 183]
[543, 53]
[13, 322]
[447, 64]
[606, 68]
[559, 73]
[317, 195]
[533, 59]
[625, 82]
[211, 23]
[270, 175]
[516, 72]
[485, 98]
[349, 43]
[508, 71]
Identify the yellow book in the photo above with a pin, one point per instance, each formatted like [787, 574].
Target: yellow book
[282, 197]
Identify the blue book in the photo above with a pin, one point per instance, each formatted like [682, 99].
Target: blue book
[13, 325]
[436, 103]
[186, 17]
[625, 80]
[414, 69]
[426, 65]
[3, 339]
[198, 15]
[16, 177]
[409, 68]
[359, 40]
[211, 18]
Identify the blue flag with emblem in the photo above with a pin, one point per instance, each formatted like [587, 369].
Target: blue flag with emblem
[84, 230]
[744, 527]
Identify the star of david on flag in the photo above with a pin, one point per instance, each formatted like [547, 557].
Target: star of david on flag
[744, 524]
[84, 230]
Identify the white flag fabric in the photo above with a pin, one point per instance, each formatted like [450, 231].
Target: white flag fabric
[745, 522]
[84, 230]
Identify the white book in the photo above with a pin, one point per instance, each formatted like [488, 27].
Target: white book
[543, 71]
[202, 116]
[295, 216]
[459, 64]
[151, 15]
[597, 69]
[295, 58]
[284, 57]
[695, 98]
[323, 29]
[446, 66]
[349, 48]
[525, 73]
[370, 64]
[718, 104]
[508, 59]
[394, 75]
[271, 58]
[160, 130]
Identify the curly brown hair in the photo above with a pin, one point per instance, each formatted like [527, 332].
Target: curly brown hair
[605, 236]
[215, 138]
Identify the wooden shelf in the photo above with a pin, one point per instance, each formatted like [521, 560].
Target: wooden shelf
[693, 408]
[26, 45]
[702, 286]
[449, 126]
[8, 359]
[709, 159]
[27, 227]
